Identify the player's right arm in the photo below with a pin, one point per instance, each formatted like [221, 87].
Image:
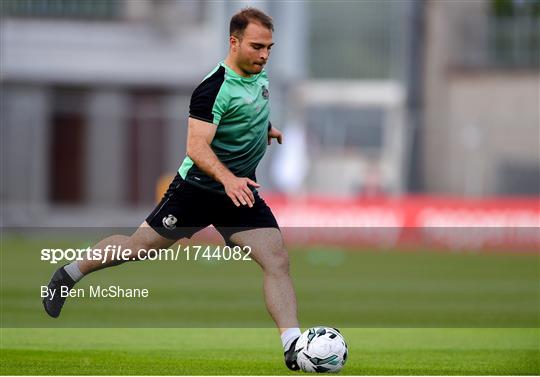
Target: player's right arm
[200, 136]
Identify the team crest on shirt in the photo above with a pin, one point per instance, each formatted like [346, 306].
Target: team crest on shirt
[169, 222]
[265, 92]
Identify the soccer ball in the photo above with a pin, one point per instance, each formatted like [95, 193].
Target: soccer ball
[321, 350]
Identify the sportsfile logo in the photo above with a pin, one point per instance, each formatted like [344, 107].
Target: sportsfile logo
[113, 252]
[110, 252]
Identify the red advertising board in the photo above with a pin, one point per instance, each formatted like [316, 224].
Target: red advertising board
[457, 223]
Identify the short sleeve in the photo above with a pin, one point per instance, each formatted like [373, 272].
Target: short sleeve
[208, 101]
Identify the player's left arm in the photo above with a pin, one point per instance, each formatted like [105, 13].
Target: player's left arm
[274, 133]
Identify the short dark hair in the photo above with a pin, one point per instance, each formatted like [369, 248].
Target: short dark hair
[241, 20]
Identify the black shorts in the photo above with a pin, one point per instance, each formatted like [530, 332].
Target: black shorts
[186, 208]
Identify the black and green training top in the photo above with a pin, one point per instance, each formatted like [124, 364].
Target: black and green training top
[239, 107]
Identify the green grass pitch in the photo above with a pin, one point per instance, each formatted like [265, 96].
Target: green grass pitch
[412, 313]
[257, 352]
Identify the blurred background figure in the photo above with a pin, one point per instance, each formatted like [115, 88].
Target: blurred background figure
[290, 165]
[377, 97]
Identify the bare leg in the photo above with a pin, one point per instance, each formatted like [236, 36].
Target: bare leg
[143, 238]
[268, 251]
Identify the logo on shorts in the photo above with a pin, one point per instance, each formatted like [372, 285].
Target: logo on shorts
[169, 222]
[265, 92]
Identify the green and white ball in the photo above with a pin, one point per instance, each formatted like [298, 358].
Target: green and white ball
[321, 350]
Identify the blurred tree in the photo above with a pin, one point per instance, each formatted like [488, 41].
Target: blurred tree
[82, 9]
[511, 8]
[502, 8]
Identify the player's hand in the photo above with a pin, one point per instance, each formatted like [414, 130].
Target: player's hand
[238, 190]
[274, 133]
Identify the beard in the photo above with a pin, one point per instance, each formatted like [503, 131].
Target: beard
[257, 68]
[251, 67]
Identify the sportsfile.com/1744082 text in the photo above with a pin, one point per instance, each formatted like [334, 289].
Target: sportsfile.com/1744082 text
[179, 253]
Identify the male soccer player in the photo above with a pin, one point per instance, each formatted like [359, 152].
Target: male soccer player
[228, 132]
